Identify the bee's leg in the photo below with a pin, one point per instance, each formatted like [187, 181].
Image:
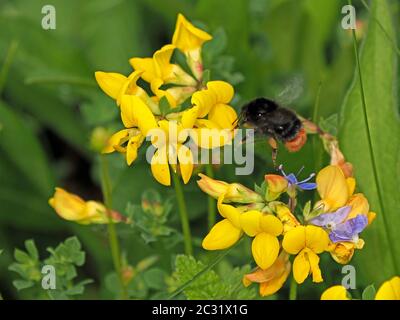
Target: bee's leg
[274, 145]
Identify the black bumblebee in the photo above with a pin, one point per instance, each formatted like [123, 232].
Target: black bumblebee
[268, 118]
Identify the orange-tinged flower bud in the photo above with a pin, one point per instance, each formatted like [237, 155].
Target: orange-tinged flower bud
[234, 192]
[73, 208]
[276, 186]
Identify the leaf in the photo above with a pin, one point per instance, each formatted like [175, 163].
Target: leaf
[32, 250]
[376, 163]
[155, 278]
[22, 284]
[369, 293]
[164, 105]
[20, 144]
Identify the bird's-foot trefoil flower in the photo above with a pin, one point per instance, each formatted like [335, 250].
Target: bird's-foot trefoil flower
[306, 242]
[189, 39]
[71, 207]
[271, 279]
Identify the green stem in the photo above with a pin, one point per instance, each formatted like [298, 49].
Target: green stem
[212, 208]
[318, 149]
[293, 290]
[371, 152]
[187, 238]
[59, 80]
[112, 232]
[7, 63]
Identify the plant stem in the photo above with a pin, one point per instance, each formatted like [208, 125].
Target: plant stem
[187, 238]
[112, 232]
[212, 208]
[293, 289]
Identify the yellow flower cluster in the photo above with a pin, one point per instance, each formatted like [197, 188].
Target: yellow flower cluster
[143, 114]
[276, 231]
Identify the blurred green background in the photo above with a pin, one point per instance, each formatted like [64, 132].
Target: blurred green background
[50, 104]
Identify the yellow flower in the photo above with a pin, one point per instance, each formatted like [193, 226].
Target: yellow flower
[234, 192]
[73, 208]
[139, 120]
[335, 293]
[272, 278]
[169, 142]
[306, 242]
[226, 232]
[189, 40]
[389, 290]
[276, 186]
[265, 228]
[160, 67]
[158, 71]
[334, 188]
[212, 102]
[117, 85]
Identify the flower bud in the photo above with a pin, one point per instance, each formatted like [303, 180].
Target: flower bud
[276, 186]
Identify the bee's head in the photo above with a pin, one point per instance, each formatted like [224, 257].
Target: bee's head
[255, 111]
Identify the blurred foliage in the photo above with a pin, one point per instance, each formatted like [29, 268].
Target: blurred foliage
[50, 105]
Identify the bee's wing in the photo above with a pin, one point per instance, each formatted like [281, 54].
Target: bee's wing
[292, 91]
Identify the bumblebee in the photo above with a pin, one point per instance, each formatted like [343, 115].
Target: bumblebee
[277, 123]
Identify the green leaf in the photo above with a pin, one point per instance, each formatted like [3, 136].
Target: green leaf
[164, 105]
[23, 284]
[155, 278]
[23, 148]
[369, 140]
[369, 293]
[32, 250]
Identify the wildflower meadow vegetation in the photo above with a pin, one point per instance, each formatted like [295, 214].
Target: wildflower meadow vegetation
[134, 164]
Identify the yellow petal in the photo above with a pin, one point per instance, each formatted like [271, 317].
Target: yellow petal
[317, 239]
[145, 118]
[110, 82]
[223, 115]
[129, 87]
[250, 222]
[288, 219]
[189, 117]
[342, 252]
[389, 290]
[314, 265]
[332, 187]
[210, 138]
[223, 90]
[155, 85]
[294, 240]
[301, 267]
[132, 148]
[351, 185]
[222, 235]
[67, 205]
[146, 65]
[128, 112]
[185, 159]
[114, 140]
[186, 36]
[229, 212]
[271, 224]
[335, 293]
[371, 217]
[95, 212]
[265, 249]
[359, 205]
[160, 167]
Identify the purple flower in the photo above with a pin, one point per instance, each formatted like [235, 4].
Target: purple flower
[340, 228]
[349, 230]
[292, 180]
